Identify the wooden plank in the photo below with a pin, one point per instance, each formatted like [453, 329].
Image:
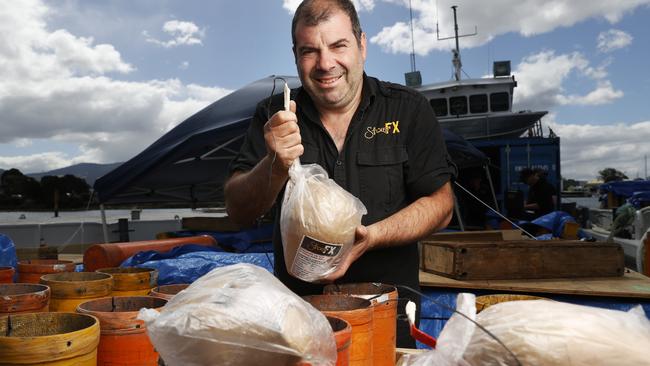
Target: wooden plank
[630, 285]
[401, 352]
[518, 259]
[76, 258]
[485, 235]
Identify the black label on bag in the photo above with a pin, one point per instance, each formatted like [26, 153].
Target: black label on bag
[320, 248]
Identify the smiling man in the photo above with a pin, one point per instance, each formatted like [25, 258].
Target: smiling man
[379, 141]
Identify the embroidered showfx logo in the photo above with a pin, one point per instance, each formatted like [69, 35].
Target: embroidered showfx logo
[389, 128]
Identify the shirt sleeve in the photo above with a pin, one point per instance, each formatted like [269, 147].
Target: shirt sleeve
[429, 165]
[253, 148]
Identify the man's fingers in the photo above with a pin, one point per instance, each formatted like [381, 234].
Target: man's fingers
[282, 117]
[286, 129]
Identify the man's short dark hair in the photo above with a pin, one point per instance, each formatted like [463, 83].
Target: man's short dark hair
[313, 12]
[524, 174]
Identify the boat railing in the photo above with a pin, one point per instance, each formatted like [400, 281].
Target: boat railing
[641, 222]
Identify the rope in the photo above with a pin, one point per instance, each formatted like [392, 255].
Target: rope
[495, 211]
[81, 224]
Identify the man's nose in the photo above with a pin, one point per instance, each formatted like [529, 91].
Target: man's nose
[326, 60]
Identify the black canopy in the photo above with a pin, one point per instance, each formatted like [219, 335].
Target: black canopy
[464, 154]
[189, 164]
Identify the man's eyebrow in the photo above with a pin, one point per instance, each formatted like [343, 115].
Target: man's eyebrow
[340, 41]
[306, 48]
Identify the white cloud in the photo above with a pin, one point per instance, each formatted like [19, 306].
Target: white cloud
[184, 65]
[79, 55]
[60, 87]
[604, 93]
[182, 33]
[526, 17]
[585, 149]
[20, 143]
[542, 76]
[38, 162]
[613, 39]
[360, 5]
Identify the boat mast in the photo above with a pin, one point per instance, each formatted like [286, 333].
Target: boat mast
[456, 59]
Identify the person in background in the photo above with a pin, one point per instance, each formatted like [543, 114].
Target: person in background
[379, 141]
[473, 209]
[542, 196]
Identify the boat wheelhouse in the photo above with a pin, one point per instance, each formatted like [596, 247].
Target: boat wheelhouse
[480, 108]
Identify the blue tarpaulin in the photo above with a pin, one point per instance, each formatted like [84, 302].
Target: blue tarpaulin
[437, 306]
[187, 263]
[626, 188]
[7, 252]
[555, 222]
[257, 240]
[639, 199]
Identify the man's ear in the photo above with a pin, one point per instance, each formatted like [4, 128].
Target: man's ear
[363, 46]
[295, 58]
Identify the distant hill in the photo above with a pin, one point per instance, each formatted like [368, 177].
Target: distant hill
[88, 171]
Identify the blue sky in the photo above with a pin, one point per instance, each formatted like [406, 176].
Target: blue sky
[98, 81]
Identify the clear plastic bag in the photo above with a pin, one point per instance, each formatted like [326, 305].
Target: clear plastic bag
[318, 222]
[543, 332]
[239, 315]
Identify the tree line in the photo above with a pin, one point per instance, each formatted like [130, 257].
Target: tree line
[18, 191]
[606, 175]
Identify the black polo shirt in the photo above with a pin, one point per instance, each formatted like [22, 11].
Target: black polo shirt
[542, 193]
[393, 154]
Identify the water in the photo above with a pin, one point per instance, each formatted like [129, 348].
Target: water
[590, 202]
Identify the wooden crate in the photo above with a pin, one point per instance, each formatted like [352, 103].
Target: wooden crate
[522, 259]
[485, 235]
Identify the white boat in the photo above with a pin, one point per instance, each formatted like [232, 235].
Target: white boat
[629, 226]
[478, 108]
[635, 247]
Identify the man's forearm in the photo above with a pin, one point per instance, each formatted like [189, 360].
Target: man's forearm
[249, 195]
[414, 222]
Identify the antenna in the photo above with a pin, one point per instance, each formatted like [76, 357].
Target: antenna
[456, 60]
[412, 39]
[412, 78]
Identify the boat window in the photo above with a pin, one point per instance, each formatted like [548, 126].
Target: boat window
[499, 102]
[458, 105]
[439, 106]
[478, 103]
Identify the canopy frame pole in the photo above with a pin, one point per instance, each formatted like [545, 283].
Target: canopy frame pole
[104, 226]
[494, 195]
